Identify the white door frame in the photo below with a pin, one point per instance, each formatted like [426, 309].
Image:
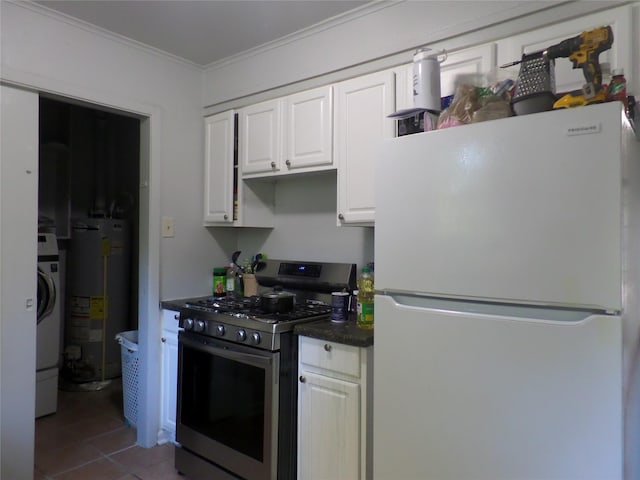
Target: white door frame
[149, 326]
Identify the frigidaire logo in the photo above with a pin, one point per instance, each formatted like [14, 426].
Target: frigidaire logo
[583, 129]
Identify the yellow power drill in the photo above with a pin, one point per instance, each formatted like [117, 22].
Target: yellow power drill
[583, 50]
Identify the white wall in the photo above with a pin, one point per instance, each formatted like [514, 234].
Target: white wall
[305, 226]
[63, 57]
[49, 53]
[385, 32]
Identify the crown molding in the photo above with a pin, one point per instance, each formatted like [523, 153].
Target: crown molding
[328, 24]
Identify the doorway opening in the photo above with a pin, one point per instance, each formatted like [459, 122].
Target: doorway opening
[88, 196]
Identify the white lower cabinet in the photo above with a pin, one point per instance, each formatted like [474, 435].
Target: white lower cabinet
[334, 411]
[169, 376]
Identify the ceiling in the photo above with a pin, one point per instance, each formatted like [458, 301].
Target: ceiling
[203, 31]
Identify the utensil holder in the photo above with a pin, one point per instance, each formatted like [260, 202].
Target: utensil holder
[250, 285]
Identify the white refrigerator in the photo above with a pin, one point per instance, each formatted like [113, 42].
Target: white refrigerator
[507, 266]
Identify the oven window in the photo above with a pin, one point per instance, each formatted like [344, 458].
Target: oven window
[224, 400]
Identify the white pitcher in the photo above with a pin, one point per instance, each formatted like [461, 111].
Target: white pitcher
[426, 79]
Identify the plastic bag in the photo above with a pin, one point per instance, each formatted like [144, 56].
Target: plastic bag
[460, 112]
[495, 102]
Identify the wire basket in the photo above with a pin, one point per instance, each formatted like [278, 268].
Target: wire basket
[130, 367]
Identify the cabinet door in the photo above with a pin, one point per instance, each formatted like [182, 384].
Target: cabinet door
[219, 168]
[328, 428]
[404, 86]
[308, 136]
[362, 106]
[567, 78]
[469, 64]
[260, 137]
[169, 382]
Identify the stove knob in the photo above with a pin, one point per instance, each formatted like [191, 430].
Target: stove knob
[220, 330]
[242, 335]
[199, 326]
[188, 323]
[255, 338]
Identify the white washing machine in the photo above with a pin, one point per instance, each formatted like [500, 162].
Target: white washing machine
[48, 332]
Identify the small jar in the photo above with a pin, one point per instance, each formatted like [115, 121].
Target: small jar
[219, 279]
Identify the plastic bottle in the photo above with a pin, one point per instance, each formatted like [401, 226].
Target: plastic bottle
[618, 89]
[232, 282]
[366, 291]
[219, 281]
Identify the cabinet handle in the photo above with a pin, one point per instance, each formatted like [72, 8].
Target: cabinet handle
[288, 162]
[273, 164]
[163, 339]
[226, 217]
[327, 347]
[176, 316]
[341, 216]
[303, 379]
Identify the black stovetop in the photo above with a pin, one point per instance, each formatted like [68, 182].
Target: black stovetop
[249, 308]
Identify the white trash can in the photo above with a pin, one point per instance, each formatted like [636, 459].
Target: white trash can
[130, 366]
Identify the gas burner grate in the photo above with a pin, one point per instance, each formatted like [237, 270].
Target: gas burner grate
[249, 308]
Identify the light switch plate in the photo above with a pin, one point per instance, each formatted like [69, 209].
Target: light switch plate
[168, 227]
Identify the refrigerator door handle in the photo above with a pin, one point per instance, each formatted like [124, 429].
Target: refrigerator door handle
[529, 313]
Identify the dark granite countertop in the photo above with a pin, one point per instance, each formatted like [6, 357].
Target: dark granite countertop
[347, 332]
[179, 303]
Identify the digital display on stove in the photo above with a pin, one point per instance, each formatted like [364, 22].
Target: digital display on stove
[300, 270]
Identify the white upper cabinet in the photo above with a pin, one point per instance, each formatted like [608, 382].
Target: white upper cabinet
[260, 137]
[228, 200]
[287, 135]
[362, 107]
[620, 55]
[470, 63]
[219, 168]
[309, 133]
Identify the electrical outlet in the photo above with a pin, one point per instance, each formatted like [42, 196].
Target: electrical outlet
[168, 227]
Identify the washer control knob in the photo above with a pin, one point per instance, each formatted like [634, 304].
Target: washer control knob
[220, 330]
[188, 324]
[255, 338]
[199, 326]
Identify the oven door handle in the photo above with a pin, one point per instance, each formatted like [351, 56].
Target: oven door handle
[214, 348]
[248, 358]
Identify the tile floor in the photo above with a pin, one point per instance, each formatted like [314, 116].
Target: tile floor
[88, 439]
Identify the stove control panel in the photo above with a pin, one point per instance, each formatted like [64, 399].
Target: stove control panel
[230, 332]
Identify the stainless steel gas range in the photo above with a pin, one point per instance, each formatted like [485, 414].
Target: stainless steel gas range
[237, 375]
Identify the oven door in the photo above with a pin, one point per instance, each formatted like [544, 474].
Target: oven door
[228, 404]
